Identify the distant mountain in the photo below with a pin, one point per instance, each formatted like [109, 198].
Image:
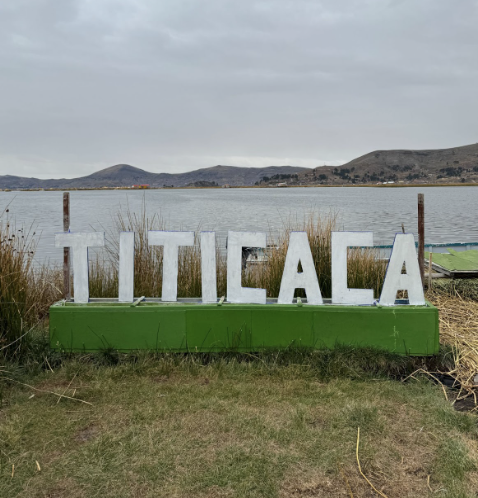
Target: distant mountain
[124, 175]
[455, 165]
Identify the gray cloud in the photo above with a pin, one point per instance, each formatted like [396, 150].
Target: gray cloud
[176, 85]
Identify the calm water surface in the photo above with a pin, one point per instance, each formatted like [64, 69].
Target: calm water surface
[451, 213]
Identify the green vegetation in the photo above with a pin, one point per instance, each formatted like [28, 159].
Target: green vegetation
[463, 289]
[278, 178]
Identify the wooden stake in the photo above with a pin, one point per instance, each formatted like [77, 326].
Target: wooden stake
[66, 250]
[430, 270]
[421, 236]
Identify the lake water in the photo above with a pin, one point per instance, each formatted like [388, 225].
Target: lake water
[451, 213]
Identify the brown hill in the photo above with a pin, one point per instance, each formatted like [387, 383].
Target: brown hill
[458, 164]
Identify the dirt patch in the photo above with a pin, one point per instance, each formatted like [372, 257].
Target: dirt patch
[315, 484]
[160, 379]
[53, 384]
[51, 457]
[63, 488]
[86, 434]
[465, 404]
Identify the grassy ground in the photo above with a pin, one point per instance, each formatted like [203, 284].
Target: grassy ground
[267, 426]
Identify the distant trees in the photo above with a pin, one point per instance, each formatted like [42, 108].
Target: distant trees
[451, 171]
[278, 177]
[342, 173]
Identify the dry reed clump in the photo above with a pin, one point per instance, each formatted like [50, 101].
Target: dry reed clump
[26, 290]
[459, 329]
[364, 269]
[148, 261]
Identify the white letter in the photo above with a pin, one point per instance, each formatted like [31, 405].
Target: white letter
[208, 267]
[171, 242]
[403, 251]
[126, 268]
[235, 292]
[79, 243]
[299, 250]
[341, 294]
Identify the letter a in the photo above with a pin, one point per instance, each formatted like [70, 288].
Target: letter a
[299, 251]
[403, 251]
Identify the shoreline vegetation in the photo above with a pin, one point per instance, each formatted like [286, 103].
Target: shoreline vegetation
[275, 423]
[405, 185]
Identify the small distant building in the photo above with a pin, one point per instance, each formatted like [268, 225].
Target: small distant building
[140, 186]
[226, 186]
[284, 184]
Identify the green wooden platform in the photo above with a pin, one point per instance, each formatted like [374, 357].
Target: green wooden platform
[455, 264]
[187, 326]
[456, 260]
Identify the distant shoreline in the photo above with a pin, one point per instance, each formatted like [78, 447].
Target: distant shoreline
[408, 185]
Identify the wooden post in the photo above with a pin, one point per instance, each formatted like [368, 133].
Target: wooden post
[430, 270]
[66, 250]
[421, 236]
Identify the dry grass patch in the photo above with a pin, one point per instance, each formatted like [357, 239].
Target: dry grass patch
[459, 329]
[250, 430]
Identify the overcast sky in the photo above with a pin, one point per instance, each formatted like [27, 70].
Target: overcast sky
[173, 85]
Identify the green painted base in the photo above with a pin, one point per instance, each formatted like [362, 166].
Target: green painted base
[183, 327]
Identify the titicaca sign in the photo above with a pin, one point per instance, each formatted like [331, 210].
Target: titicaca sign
[403, 252]
[246, 320]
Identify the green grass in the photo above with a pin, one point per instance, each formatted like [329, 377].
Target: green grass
[266, 425]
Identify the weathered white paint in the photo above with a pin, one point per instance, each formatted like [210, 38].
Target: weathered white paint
[235, 292]
[341, 294]
[126, 268]
[403, 251]
[79, 243]
[171, 242]
[299, 251]
[208, 267]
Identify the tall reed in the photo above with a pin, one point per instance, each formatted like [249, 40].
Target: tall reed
[148, 267]
[148, 260]
[364, 270]
[26, 290]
